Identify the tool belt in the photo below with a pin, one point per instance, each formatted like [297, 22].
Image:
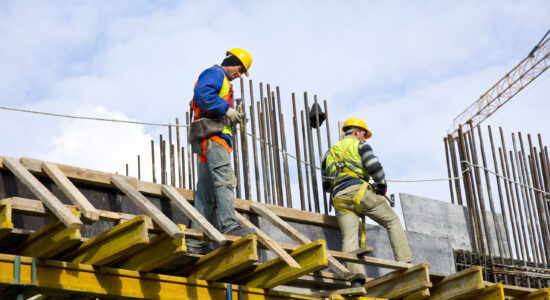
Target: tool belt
[204, 127]
[339, 205]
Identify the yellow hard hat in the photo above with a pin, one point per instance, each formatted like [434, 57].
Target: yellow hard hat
[357, 122]
[243, 56]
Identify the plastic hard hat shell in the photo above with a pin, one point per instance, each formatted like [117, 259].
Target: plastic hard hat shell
[243, 56]
[357, 122]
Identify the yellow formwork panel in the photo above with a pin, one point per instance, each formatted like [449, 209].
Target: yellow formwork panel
[542, 294]
[399, 284]
[51, 240]
[113, 244]
[340, 297]
[458, 285]
[55, 277]
[492, 292]
[6, 224]
[161, 249]
[311, 257]
[227, 260]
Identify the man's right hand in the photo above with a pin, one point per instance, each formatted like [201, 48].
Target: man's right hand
[234, 116]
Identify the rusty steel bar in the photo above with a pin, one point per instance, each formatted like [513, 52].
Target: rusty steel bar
[244, 144]
[511, 206]
[236, 161]
[161, 150]
[153, 160]
[252, 110]
[263, 153]
[529, 201]
[275, 132]
[445, 142]
[318, 129]
[521, 219]
[511, 196]
[501, 200]
[190, 158]
[313, 170]
[305, 159]
[283, 145]
[490, 195]
[183, 167]
[468, 191]
[479, 202]
[452, 150]
[298, 154]
[127, 174]
[139, 168]
[516, 174]
[540, 206]
[329, 144]
[180, 178]
[541, 230]
[271, 154]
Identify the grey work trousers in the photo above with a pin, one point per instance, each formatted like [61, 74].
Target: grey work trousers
[376, 208]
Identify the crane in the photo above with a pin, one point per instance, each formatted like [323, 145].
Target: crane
[507, 87]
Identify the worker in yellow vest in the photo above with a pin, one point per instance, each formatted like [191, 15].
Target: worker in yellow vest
[347, 168]
[211, 139]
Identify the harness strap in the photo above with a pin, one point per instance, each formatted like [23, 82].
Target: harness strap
[356, 201]
[216, 139]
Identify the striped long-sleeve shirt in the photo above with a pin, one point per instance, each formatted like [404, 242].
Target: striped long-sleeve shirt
[369, 162]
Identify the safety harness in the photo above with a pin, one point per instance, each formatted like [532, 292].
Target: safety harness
[340, 163]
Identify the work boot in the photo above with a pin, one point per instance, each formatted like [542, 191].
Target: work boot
[357, 280]
[195, 248]
[241, 231]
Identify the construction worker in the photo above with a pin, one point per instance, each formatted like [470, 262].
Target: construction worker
[213, 102]
[346, 170]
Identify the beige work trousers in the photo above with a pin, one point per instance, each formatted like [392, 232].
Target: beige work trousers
[376, 208]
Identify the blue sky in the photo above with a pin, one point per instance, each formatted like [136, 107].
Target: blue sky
[406, 67]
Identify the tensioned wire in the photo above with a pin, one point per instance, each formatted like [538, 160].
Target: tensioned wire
[263, 141]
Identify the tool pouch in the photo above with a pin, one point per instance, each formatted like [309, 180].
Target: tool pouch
[203, 128]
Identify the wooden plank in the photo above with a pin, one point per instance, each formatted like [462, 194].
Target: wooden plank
[226, 260]
[99, 178]
[112, 245]
[542, 294]
[320, 279]
[50, 240]
[269, 243]
[42, 193]
[295, 235]
[192, 213]
[340, 297]
[68, 188]
[311, 257]
[149, 208]
[399, 284]
[161, 249]
[6, 225]
[347, 292]
[458, 285]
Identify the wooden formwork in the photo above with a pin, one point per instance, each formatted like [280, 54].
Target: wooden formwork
[144, 256]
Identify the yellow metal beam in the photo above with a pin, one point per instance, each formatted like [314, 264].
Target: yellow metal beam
[6, 224]
[340, 297]
[492, 292]
[458, 285]
[311, 257]
[226, 261]
[542, 294]
[112, 245]
[423, 294]
[399, 284]
[51, 240]
[55, 278]
[161, 249]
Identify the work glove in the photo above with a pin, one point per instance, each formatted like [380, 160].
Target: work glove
[234, 116]
[380, 188]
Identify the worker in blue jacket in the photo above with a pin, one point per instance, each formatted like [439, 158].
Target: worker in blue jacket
[213, 100]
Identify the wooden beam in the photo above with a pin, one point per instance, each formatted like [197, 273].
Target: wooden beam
[68, 188]
[423, 294]
[50, 240]
[6, 225]
[295, 235]
[149, 208]
[68, 279]
[225, 261]
[269, 243]
[311, 257]
[42, 193]
[192, 213]
[112, 245]
[399, 284]
[542, 294]
[347, 292]
[461, 284]
[161, 249]
[492, 292]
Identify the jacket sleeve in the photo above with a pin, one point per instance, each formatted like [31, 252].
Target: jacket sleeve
[206, 91]
[371, 163]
